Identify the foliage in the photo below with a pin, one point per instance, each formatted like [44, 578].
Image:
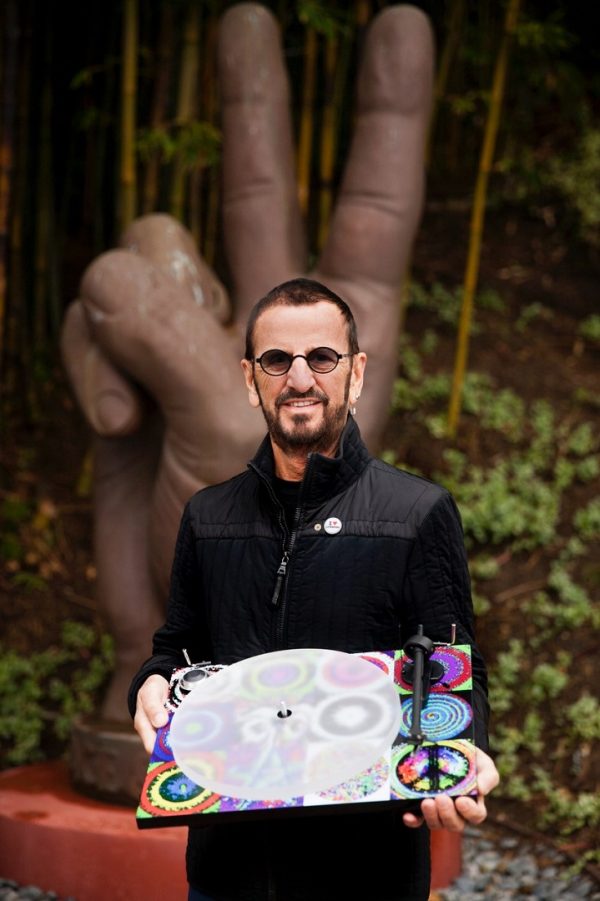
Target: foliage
[590, 328]
[197, 144]
[576, 176]
[512, 505]
[46, 690]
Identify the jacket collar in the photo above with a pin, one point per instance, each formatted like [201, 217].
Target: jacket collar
[325, 476]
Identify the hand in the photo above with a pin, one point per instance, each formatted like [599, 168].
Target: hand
[153, 344]
[444, 812]
[150, 711]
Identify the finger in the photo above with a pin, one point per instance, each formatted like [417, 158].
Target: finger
[382, 191]
[185, 359]
[145, 729]
[381, 196]
[441, 813]
[111, 404]
[152, 697]
[166, 243]
[487, 774]
[472, 810]
[261, 216]
[412, 821]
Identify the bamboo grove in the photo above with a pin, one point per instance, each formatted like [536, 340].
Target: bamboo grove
[111, 111]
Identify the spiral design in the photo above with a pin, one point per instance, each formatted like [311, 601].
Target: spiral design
[444, 717]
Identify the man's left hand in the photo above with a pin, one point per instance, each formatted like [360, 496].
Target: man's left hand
[444, 812]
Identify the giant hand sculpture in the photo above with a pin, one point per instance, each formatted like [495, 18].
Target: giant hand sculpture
[152, 345]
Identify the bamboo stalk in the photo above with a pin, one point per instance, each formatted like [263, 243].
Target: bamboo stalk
[159, 104]
[328, 142]
[188, 78]
[128, 199]
[478, 214]
[43, 213]
[17, 347]
[7, 154]
[457, 14]
[307, 118]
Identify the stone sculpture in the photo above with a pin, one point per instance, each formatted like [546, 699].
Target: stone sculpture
[152, 345]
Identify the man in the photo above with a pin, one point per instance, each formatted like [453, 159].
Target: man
[317, 544]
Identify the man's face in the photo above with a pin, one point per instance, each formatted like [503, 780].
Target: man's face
[305, 410]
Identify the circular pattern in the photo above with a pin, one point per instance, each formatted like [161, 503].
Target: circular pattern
[344, 713]
[348, 716]
[381, 660]
[444, 717]
[433, 769]
[457, 670]
[168, 790]
[201, 730]
[282, 677]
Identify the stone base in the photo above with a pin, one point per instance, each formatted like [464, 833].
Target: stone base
[107, 760]
[54, 838]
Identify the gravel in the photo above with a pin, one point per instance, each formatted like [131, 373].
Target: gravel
[496, 867]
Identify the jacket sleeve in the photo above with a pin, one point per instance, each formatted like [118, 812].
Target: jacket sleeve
[438, 593]
[185, 626]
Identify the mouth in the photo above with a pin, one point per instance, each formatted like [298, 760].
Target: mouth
[300, 403]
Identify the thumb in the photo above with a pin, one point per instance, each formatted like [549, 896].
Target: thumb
[110, 403]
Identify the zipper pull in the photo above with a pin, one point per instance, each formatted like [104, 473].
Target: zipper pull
[280, 577]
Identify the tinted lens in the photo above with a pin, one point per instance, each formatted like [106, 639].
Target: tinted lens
[275, 362]
[322, 359]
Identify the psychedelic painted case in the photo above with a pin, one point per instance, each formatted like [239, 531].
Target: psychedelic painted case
[400, 778]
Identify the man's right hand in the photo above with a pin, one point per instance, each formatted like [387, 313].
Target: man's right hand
[150, 711]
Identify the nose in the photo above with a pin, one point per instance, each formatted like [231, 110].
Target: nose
[300, 376]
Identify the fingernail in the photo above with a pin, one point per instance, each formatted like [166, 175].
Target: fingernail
[113, 412]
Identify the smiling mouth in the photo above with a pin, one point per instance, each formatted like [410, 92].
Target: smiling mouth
[302, 403]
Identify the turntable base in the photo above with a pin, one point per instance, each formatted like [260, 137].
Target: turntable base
[61, 841]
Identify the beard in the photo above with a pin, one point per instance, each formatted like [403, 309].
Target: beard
[301, 436]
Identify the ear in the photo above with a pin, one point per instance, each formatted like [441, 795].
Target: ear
[359, 361]
[248, 369]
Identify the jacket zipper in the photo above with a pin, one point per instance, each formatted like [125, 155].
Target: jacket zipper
[279, 596]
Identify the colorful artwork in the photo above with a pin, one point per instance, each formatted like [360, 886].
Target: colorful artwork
[337, 706]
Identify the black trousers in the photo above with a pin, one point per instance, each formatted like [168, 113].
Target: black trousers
[356, 857]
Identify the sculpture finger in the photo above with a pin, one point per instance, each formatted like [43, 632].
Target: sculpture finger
[111, 404]
[165, 242]
[183, 358]
[262, 224]
[381, 196]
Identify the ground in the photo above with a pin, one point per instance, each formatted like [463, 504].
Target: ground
[47, 576]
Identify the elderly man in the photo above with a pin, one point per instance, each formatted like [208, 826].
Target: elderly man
[317, 544]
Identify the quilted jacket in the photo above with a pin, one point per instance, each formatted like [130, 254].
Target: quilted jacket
[373, 553]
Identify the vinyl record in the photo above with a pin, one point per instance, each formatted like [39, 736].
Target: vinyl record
[285, 724]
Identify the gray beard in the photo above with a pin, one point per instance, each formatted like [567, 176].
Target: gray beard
[302, 439]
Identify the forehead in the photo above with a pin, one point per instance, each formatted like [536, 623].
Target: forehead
[300, 328]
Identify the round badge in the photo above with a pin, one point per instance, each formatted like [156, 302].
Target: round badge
[333, 525]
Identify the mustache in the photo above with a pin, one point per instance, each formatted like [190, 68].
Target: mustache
[311, 394]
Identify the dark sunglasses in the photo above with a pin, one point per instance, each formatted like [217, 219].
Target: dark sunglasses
[278, 362]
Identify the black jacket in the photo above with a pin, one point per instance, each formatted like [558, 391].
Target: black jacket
[243, 584]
